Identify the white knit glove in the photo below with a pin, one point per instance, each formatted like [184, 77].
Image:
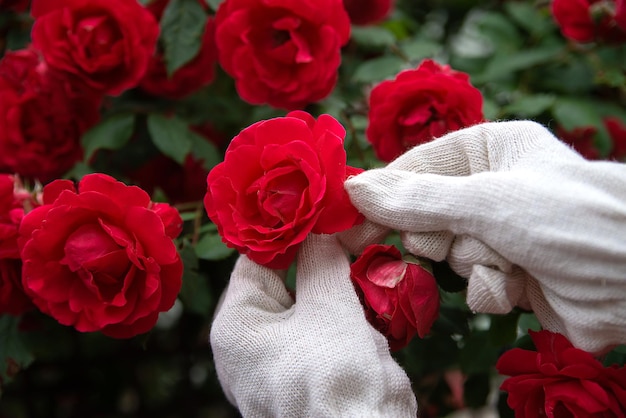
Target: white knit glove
[527, 220]
[318, 357]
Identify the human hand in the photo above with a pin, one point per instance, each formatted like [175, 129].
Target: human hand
[527, 220]
[316, 357]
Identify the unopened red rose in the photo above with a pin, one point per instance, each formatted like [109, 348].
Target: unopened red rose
[13, 201]
[401, 299]
[42, 117]
[367, 12]
[281, 179]
[420, 105]
[98, 256]
[617, 133]
[104, 43]
[559, 380]
[284, 53]
[582, 139]
[591, 20]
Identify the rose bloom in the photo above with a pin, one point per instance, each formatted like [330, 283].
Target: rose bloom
[420, 105]
[401, 299]
[591, 20]
[581, 139]
[17, 6]
[279, 52]
[100, 257]
[561, 381]
[617, 132]
[281, 179]
[42, 117]
[13, 200]
[105, 43]
[189, 78]
[367, 12]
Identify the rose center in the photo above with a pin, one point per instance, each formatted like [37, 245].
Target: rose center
[96, 37]
[280, 194]
[97, 259]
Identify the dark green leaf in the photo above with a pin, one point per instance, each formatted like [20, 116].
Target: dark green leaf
[211, 247]
[14, 354]
[195, 293]
[503, 329]
[477, 354]
[112, 133]
[505, 64]
[419, 49]
[530, 106]
[171, 136]
[182, 26]
[214, 4]
[530, 18]
[205, 150]
[378, 69]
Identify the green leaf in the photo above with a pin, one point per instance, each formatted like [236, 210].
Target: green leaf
[373, 36]
[378, 69]
[530, 18]
[14, 354]
[503, 328]
[419, 49]
[112, 133]
[182, 26]
[205, 150]
[530, 106]
[195, 293]
[211, 247]
[214, 4]
[171, 136]
[477, 354]
[505, 64]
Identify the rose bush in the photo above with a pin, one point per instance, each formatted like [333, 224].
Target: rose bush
[281, 179]
[559, 380]
[107, 44]
[420, 105]
[99, 258]
[401, 298]
[280, 52]
[42, 117]
[589, 20]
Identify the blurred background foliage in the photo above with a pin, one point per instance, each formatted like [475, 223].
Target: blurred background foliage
[513, 52]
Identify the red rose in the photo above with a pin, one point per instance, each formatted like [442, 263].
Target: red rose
[591, 20]
[400, 298]
[14, 5]
[581, 139]
[42, 117]
[105, 43]
[420, 105]
[367, 12]
[285, 53]
[98, 257]
[281, 179]
[13, 301]
[560, 381]
[617, 132]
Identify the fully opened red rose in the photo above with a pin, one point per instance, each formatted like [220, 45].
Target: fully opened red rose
[401, 299]
[420, 105]
[281, 179]
[282, 52]
[591, 20]
[105, 43]
[561, 381]
[42, 117]
[100, 257]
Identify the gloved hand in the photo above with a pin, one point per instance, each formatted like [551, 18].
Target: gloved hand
[318, 357]
[527, 220]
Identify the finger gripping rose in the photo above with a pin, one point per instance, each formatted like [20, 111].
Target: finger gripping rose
[281, 179]
[99, 257]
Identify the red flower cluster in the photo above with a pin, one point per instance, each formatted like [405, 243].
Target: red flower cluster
[420, 105]
[401, 298]
[582, 139]
[559, 380]
[100, 257]
[281, 179]
[591, 20]
[279, 52]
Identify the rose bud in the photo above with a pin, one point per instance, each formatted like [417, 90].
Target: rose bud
[400, 297]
